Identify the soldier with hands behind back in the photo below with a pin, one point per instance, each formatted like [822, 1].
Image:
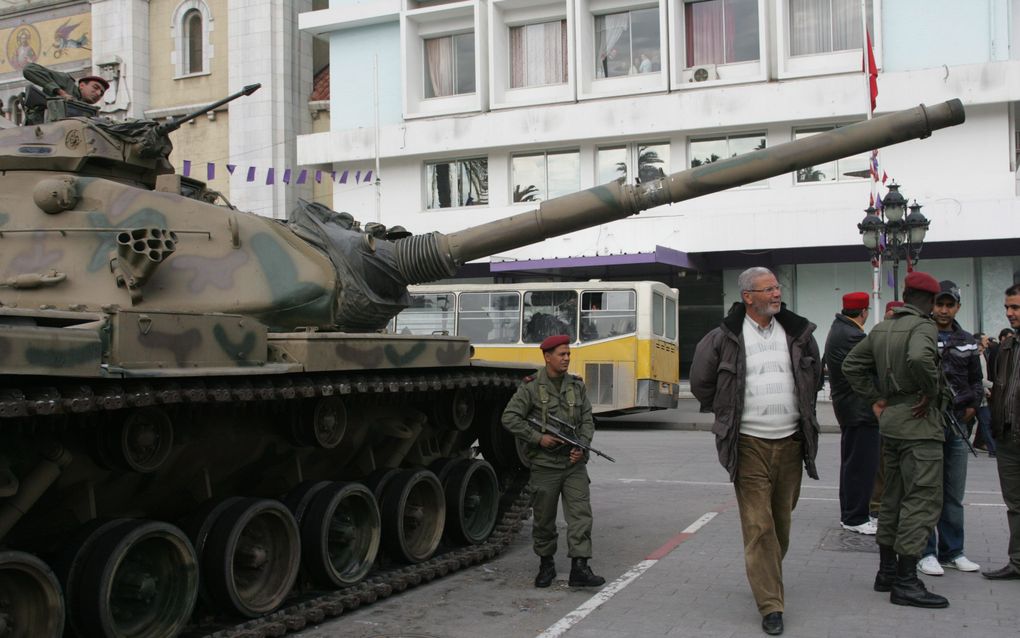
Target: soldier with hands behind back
[557, 469]
[896, 369]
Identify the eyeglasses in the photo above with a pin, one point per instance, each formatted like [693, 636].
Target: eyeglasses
[767, 291]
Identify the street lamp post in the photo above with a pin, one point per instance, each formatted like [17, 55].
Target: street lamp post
[894, 235]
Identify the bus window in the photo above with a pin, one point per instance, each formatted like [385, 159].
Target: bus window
[657, 311]
[548, 313]
[670, 318]
[429, 313]
[607, 314]
[490, 317]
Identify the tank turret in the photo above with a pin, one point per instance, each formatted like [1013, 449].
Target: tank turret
[99, 199]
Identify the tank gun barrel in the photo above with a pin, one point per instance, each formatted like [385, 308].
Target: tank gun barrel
[174, 124]
[433, 256]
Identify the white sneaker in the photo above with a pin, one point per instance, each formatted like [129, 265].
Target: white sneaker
[867, 527]
[962, 563]
[930, 565]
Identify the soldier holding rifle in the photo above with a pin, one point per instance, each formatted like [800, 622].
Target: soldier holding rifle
[556, 467]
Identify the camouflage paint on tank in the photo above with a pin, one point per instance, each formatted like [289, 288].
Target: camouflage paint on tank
[218, 272]
[242, 349]
[37, 258]
[181, 344]
[61, 356]
[281, 273]
[325, 351]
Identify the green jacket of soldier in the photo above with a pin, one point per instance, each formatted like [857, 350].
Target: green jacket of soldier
[51, 81]
[899, 362]
[538, 398]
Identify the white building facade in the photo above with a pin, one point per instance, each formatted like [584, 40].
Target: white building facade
[475, 109]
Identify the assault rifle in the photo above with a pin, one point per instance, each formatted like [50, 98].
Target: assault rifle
[572, 441]
[954, 423]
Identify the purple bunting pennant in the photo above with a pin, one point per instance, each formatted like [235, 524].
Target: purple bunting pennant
[332, 176]
[357, 177]
[343, 178]
[251, 174]
[286, 176]
[368, 176]
[318, 177]
[230, 168]
[270, 175]
[301, 176]
[210, 171]
[187, 168]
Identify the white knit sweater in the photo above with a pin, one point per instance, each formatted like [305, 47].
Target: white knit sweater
[770, 396]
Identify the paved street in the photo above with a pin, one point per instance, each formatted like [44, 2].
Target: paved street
[665, 481]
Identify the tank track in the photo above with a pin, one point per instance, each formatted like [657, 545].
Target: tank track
[319, 607]
[46, 398]
[42, 397]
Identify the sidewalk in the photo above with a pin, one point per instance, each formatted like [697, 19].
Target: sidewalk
[699, 589]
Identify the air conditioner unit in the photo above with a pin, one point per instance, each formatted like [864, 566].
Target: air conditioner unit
[701, 73]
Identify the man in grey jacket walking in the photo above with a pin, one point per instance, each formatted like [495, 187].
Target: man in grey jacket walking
[759, 373]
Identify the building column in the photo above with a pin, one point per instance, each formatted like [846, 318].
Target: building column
[266, 46]
[120, 53]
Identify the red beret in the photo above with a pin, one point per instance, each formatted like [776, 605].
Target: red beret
[893, 304]
[855, 301]
[922, 281]
[96, 78]
[553, 341]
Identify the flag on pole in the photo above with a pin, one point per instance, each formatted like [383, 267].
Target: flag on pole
[884, 177]
[872, 70]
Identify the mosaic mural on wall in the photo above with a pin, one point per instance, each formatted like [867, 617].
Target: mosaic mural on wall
[52, 41]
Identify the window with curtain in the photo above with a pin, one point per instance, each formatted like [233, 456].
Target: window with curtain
[538, 54]
[825, 26]
[848, 168]
[540, 176]
[193, 29]
[721, 31]
[454, 183]
[450, 65]
[627, 43]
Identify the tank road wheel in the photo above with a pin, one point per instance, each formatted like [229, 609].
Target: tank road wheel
[454, 410]
[378, 480]
[139, 578]
[472, 501]
[413, 511]
[251, 557]
[31, 605]
[321, 423]
[141, 442]
[340, 534]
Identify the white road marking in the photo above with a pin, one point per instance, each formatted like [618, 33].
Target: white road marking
[564, 624]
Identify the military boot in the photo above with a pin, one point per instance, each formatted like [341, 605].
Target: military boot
[582, 576]
[546, 572]
[907, 588]
[886, 568]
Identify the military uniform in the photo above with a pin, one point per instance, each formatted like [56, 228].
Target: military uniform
[552, 474]
[50, 82]
[898, 362]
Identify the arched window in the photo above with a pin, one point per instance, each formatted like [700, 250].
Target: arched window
[192, 26]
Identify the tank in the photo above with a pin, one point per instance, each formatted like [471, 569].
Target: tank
[202, 418]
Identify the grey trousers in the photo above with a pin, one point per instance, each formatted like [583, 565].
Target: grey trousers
[548, 485]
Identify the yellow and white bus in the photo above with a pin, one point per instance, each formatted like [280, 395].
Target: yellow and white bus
[623, 334]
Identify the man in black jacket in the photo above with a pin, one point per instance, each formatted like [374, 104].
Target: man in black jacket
[859, 441]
